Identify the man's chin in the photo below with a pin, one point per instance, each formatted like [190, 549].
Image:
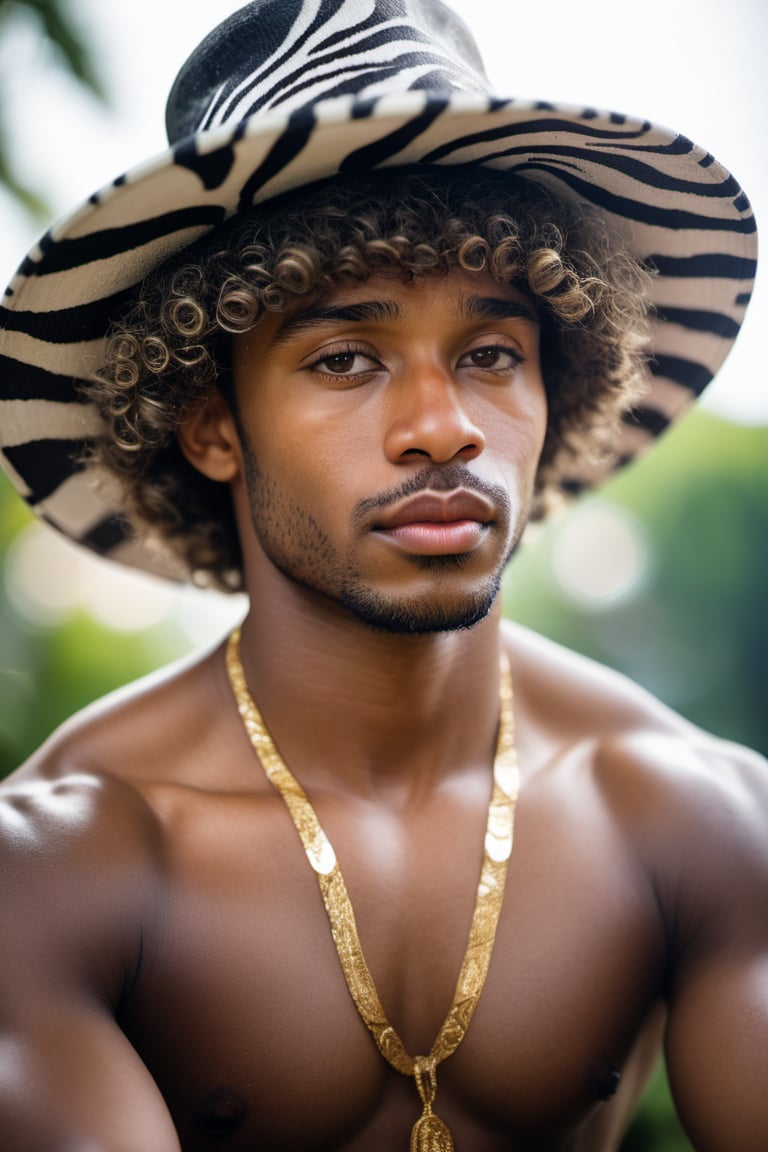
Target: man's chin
[417, 618]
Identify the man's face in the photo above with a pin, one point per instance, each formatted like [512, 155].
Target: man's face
[391, 433]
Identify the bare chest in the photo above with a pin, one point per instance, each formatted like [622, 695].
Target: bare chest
[243, 1015]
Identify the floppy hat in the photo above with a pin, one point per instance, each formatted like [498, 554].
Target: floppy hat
[285, 93]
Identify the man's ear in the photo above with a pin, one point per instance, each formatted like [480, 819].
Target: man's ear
[209, 440]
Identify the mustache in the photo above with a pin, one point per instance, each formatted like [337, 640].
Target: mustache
[446, 479]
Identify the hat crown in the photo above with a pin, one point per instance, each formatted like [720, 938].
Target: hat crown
[288, 54]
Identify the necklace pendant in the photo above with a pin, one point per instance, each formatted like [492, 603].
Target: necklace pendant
[430, 1134]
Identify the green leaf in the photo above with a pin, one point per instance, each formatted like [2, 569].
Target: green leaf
[73, 52]
[64, 33]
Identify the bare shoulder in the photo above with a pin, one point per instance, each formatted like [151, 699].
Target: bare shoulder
[692, 806]
[79, 847]
[79, 854]
[82, 828]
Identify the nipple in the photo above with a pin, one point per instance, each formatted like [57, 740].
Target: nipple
[605, 1081]
[222, 1114]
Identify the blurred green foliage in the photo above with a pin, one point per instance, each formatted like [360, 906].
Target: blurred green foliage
[59, 32]
[47, 673]
[695, 631]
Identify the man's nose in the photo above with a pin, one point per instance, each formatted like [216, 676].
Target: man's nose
[429, 416]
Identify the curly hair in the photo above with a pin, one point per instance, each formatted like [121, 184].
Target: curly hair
[172, 346]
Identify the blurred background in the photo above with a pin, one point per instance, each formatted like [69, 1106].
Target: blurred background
[661, 576]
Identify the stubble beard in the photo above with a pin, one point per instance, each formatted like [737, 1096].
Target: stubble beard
[296, 545]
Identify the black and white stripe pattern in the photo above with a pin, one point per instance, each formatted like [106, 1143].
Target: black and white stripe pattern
[339, 49]
[345, 86]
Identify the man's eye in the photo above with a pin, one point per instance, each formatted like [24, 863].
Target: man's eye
[345, 363]
[495, 356]
[340, 362]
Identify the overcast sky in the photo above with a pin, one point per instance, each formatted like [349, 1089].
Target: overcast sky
[697, 66]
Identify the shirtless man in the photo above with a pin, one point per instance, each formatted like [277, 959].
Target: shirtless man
[349, 400]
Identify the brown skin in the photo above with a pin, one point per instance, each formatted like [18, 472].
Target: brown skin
[170, 981]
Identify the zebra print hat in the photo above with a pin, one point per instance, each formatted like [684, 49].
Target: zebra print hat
[287, 92]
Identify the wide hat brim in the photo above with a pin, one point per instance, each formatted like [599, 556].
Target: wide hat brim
[678, 209]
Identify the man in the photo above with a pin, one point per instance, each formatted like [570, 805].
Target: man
[324, 352]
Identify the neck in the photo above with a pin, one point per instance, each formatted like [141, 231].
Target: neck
[361, 709]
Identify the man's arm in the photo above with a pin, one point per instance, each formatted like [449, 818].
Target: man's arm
[70, 1081]
[717, 1052]
[77, 879]
[714, 892]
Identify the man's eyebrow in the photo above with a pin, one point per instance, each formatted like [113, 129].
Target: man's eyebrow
[496, 308]
[320, 314]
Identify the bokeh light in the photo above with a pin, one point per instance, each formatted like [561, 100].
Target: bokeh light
[48, 580]
[600, 555]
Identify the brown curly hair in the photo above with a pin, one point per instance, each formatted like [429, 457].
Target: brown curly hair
[173, 345]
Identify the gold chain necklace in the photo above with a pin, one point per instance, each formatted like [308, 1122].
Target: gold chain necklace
[429, 1134]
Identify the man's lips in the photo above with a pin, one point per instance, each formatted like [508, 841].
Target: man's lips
[435, 508]
[435, 524]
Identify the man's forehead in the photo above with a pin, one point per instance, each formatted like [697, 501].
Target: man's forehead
[382, 299]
